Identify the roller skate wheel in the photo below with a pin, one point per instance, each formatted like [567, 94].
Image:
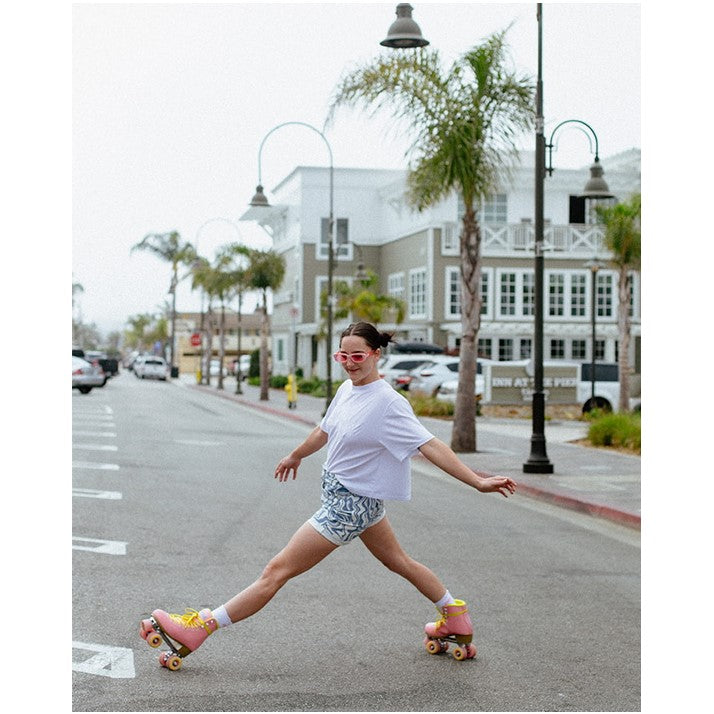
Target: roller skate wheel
[153, 638]
[170, 661]
[460, 653]
[433, 646]
[471, 653]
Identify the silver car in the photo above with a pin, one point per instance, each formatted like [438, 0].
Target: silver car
[86, 376]
[151, 367]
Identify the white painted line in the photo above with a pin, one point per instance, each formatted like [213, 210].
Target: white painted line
[92, 465]
[95, 447]
[93, 493]
[105, 661]
[107, 547]
[103, 434]
[193, 442]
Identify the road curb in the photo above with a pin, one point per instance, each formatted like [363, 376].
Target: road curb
[631, 520]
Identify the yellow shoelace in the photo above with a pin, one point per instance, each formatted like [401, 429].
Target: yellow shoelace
[190, 618]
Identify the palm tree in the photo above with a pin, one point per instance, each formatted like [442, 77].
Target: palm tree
[465, 124]
[622, 239]
[266, 272]
[169, 247]
[203, 277]
[361, 301]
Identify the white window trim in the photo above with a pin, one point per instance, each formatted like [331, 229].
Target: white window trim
[418, 315]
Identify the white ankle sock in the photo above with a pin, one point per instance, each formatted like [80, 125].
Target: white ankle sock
[446, 600]
[222, 617]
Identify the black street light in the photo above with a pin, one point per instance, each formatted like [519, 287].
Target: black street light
[594, 266]
[260, 200]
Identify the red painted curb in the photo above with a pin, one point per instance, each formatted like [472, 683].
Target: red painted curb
[631, 520]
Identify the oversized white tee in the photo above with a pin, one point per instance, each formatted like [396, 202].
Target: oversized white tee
[372, 435]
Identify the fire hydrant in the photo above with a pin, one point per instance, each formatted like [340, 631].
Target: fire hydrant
[291, 392]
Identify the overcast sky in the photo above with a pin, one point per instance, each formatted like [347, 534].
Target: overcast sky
[170, 103]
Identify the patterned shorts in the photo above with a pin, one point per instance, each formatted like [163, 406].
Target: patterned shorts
[344, 515]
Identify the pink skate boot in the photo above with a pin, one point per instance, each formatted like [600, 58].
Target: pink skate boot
[454, 625]
[182, 633]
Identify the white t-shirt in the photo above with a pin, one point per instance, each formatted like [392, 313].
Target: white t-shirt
[372, 434]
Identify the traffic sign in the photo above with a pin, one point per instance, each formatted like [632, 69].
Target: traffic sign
[196, 339]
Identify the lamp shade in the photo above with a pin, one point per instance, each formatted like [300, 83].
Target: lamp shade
[596, 187]
[404, 32]
[260, 198]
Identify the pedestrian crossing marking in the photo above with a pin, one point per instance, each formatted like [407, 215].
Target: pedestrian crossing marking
[94, 465]
[97, 545]
[105, 660]
[94, 493]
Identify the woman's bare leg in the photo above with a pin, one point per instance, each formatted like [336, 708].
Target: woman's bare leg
[383, 544]
[304, 550]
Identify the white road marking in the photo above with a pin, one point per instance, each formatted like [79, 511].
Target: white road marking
[95, 447]
[102, 434]
[193, 442]
[93, 493]
[105, 661]
[93, 465]
[96, 545]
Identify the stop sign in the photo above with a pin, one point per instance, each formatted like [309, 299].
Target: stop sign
[196, 339]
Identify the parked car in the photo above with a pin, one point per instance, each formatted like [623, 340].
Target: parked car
[428, 378]
[151, 367]
[244, 366]
[392, 366]
[109, 364]
[86, 376]
[216, 368]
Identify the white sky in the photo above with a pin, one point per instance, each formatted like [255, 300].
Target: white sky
[170, 103]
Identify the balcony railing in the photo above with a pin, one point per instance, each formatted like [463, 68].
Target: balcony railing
[509, 238]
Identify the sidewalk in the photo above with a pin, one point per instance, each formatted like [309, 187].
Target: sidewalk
[603, 483]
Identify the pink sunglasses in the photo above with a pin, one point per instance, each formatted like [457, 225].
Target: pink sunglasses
[356, 357]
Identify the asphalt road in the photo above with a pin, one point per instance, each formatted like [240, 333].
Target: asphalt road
[175, 506]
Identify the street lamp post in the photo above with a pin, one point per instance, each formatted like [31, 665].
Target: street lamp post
[260, 200]
[594, 266]
[404, 32]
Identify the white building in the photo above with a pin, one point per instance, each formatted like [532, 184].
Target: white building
[416, 258]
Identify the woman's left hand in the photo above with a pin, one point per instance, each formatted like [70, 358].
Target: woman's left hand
[497, 484]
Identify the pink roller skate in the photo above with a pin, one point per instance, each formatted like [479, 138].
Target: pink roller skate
[182, 633]
[454, 625]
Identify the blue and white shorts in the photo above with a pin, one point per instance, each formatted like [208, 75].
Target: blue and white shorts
[344, 515]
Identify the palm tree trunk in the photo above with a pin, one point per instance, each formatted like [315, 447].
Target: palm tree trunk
[623, 329]
[264, 377]
[463, 435]
[222, 345]
[209, 345]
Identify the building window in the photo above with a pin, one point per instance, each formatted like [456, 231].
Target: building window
[485, 283]
[342, 244]
[578, 294]
[452, 303]
[557, 349]
[526, 348]
[485, 347]
[578, 349]
[508, 294]
[395, 285]
[528, 294]
[450, 239]
[600, 350]
[417, 293]
[495, 209]
[516, 293]
[556, 295]
[604, 295]
[505, 349]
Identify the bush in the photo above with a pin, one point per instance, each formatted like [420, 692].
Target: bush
[278, 381]
[620, 429]
[430, 406]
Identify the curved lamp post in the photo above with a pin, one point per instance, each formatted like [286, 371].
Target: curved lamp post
[260, 200]
[405, 33]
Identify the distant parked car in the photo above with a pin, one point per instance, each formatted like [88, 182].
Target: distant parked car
[216, 368]
[244, 366]
[109, 364]
[441, 380]
[391, 367]
[86, 376]
[151, 367]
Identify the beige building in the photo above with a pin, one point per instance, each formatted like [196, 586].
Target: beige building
[194, 323]
[416, 256]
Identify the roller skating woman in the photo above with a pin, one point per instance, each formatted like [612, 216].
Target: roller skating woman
[371, 433]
